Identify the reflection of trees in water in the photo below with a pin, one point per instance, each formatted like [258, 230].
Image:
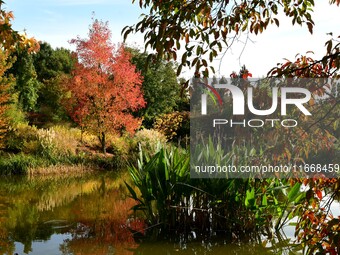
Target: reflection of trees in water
[52, 199]
[22, 224]
[104, 226]
[280, 244]
[34, 208]
[6, 246]
[101, 238]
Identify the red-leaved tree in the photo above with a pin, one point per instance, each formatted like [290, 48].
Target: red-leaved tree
[105, 87]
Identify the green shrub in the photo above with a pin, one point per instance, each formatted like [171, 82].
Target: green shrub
[18, 163]
[121, 150]
[22, 138]
[14, 114]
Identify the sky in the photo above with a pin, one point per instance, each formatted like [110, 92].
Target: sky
[58, 21]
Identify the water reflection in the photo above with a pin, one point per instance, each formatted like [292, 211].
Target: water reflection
[199, 248]
[89, 214]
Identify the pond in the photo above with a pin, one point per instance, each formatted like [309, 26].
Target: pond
[89, 214]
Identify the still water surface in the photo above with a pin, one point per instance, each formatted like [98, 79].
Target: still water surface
[89, 214]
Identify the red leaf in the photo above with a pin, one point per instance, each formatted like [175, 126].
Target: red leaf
[319, 194]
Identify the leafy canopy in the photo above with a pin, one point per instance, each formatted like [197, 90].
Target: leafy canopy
[161, 88]
[207, 27]
[27, 85]
[49, 63]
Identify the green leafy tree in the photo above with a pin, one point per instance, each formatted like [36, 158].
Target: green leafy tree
[52, 67]
[27, 85]
[162, 90]
[50, 63]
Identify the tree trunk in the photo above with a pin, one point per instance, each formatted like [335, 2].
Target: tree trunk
[81, 134]
[102, 139]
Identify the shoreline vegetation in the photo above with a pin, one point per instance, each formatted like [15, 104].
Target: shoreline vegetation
[61, 150]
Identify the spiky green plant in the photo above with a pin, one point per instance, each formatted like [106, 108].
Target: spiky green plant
[236, 207]
[158, 181]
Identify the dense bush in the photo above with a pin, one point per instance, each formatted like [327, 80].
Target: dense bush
[18, 163]
[174, 126]
[52, 142]
[22, 138]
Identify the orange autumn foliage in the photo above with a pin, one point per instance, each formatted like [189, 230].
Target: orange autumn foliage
[4, 95]
[105, 87]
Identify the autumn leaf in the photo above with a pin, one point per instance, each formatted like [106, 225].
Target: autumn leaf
[319, 194]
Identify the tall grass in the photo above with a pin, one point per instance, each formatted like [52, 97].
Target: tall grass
[18, 164]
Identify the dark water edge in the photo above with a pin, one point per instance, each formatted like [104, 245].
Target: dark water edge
[89, 214]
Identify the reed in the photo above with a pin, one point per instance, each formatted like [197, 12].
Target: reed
[233, 208]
